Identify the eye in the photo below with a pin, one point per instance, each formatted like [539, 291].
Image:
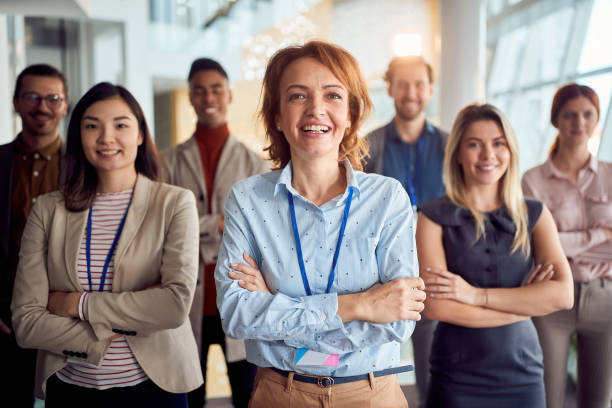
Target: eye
[90, 126]
[295, 96]
[500, 143]
[334, 95]
[588, 114]
[473, 144]
[122, 125]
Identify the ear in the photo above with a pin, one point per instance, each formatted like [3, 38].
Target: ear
[389, 89]
[15, 104]
[230, 95]
[277, 123]
[140, 138]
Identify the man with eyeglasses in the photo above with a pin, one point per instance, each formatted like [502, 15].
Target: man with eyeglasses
[29, 167]
[209, 164]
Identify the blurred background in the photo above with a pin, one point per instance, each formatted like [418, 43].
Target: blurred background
[512, 53]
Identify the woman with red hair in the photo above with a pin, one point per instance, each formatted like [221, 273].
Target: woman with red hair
[577, 189]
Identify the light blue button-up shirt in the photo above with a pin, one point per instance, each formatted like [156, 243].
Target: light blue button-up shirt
[378, 246]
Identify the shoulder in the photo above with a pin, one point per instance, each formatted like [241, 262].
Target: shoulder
[444, 212]
[256, 186]
[534, 210]
[167, 195]
[171, 153]
[7, 149]
[535, 173]
[372, 183]
[377, 136]
[604, 165]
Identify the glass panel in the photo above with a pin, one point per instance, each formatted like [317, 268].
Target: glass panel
[507, 57]
[546, 47]
[494, 7]
[529, 114]
[596, 53]
[602, 84]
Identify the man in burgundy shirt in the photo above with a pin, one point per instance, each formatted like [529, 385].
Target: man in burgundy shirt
[209, 164]
[29, 167]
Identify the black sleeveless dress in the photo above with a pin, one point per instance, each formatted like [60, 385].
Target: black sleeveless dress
[495, 367]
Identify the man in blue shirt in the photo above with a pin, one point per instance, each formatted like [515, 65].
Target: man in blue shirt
[411, 150]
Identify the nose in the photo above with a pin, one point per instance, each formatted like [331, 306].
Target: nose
[106, 134]
[316, 106]
[486, 152]
[42, 106]
[209, 97]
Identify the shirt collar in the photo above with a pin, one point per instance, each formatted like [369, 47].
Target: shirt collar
[46, 151]
[286, 174]
[428, 129]
[552, 171]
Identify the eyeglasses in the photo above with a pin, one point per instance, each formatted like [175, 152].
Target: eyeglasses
[32, 99]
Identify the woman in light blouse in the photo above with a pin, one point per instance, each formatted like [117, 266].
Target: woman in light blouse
[578, 190]
[334, 245]
[107, 269]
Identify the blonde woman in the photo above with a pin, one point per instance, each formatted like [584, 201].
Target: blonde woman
[476, 248]
[577, 188]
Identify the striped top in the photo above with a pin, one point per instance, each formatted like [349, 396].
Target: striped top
[119, 367]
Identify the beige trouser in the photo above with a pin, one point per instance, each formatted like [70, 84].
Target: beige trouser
[275, 390]
[591, 319]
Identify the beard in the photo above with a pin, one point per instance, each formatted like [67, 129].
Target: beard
[408, 113]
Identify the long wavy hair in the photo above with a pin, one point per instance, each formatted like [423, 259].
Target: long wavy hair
[344, 67]
[509, 186]
[79, 189]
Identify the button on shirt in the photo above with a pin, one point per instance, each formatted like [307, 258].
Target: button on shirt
[398, 155]
[580, 211]
[378, 246]
[34, 173]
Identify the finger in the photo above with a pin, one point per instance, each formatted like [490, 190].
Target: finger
[237, 275]
[250, 260]
[246, 269]
[4, 328]
[533, 273]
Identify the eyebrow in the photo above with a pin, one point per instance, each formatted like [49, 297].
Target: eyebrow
[304, 87]
[97, 119]
[215, 85]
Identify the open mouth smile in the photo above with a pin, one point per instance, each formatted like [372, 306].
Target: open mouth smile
[318, 129]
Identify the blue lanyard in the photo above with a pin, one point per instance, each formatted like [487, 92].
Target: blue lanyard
[412, 180]
[110, 251]
[298, 245]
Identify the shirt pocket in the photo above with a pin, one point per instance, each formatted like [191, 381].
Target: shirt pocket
[357, 265]
[566, 212]
[599, 210]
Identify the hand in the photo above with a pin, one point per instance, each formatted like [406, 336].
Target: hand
[221, 223]
[64, 304]
[539, 274]
[4, 328]
[447, 285]
[396, 300]
[249, 276]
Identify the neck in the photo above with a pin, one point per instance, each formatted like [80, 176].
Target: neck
[318, 181]
[114, 182]
[37, 142]
[409, 130]
[484, 198]
[571, 159]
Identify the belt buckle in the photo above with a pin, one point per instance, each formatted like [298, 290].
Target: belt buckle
[329, 381]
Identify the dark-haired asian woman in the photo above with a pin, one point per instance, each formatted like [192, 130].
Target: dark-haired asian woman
[578, 190]
[108, 267]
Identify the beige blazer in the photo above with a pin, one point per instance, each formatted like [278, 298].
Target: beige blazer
[158, 245]
[184, 169]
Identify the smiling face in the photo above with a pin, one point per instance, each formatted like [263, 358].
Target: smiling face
[410, 89]
[37, 117]
[576, 121]
[314, 110]
[110, 137]
[483, 153]
[210, 97]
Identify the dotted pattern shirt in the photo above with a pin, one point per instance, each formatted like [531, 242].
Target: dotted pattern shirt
[378, 246]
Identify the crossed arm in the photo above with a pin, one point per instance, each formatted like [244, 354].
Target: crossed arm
[549, 287]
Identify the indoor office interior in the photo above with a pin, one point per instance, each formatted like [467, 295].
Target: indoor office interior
[513, 54]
